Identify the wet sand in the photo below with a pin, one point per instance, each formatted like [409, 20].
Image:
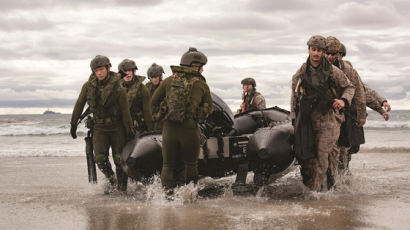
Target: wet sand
[54, 193]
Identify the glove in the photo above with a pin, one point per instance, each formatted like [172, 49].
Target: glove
[73, 131]
[131, 134]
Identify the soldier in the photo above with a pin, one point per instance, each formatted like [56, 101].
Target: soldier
[251, 99]
[342, 54]
[111, 116]
[154, 73]
[359, 99]
[138, 96]
[373, 100]
[319, 91]
[358, 104]
[370, 94]
[377, 102]
[185, 101]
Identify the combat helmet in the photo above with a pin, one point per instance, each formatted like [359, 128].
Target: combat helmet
[193, 56]
[318, 41]
[99, 61]
[342, 50]
[249, 81]
[155, 71]
[126, 65]
[332, 44]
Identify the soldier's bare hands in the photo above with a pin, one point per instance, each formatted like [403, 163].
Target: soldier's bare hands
[386, 106]
[338, 104]
[361, 122]
[385, 116]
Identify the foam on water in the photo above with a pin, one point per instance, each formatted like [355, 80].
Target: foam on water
[387, 124]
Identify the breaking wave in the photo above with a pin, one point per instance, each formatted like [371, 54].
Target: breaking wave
[34, 130]
[385, 150]
[387, 124]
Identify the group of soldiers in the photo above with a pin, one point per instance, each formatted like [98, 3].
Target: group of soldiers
[323, 88]
[122, 105]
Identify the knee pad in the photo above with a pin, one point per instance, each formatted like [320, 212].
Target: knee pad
[100, 158]
[117, 159]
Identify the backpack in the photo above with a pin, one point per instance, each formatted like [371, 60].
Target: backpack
[179, 99]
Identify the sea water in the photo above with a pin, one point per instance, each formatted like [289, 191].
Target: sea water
[49, 135]
[44, 186]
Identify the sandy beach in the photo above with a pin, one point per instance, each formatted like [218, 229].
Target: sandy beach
[54, 193]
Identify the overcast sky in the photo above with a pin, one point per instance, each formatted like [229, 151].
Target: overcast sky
[46, 46]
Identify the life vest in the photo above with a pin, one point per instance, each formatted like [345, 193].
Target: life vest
[102, 98]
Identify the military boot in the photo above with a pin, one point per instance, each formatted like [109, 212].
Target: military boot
[110, 186]
[330, 180]
[167, 177]
[122, 179]
[191, 172]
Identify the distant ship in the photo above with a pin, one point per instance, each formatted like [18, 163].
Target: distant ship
[50, 112]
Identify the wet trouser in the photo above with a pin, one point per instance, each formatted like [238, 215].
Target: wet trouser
[325, 165]
[344, 159]
[179, 142]
[102, 141]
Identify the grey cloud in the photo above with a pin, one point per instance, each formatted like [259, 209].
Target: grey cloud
[237, 21]
[41, 4]
[387, 87]
[278, 5]
[24, 23]
[138, 2]
[368, 14]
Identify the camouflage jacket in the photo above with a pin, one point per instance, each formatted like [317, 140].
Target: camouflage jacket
[151, 87]
[359, 95]
[254, 100]
[107, 101]
[201, 105]
[343, 86]
[374, 100]
[140, 104]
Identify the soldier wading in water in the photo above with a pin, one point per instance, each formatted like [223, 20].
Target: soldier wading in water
[319, 91]
[185, 101]
[108, 104]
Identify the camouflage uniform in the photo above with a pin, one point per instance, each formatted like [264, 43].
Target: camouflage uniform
[254, 100]
[359, 99]
[183, 138]
[360, 102]
[140, 104]
[151, 87]
[326, 127]
[112, 120]
[155, 71]
[374, 100]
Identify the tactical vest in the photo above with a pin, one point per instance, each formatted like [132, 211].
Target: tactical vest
[315, 84]
[179, 98]
[249, 100]
[135, 102]
[102, 98]
[151, 87]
